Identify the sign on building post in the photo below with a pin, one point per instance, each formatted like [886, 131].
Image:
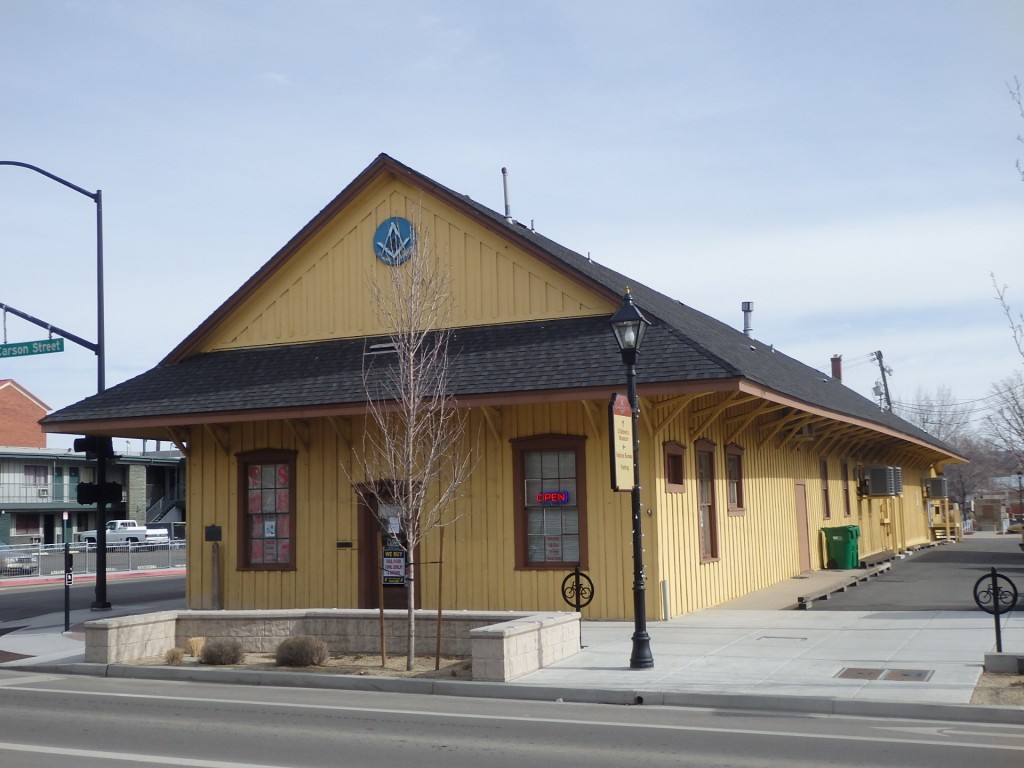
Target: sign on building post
[620, 430]
[393, 566]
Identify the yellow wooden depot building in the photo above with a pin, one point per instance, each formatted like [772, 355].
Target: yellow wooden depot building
[745, 454]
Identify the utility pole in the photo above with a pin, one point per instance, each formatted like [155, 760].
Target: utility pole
[885, 382]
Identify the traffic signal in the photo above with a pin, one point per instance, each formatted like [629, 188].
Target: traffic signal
[92, 493]
[95, 447]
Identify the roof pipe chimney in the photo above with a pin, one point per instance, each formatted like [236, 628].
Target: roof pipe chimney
[837, 367]
[748, 310]
[504, 184]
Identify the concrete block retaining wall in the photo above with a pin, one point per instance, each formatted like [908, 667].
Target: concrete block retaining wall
[513, 648]
[508, 644]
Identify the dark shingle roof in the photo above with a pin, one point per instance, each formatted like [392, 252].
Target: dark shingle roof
[502, 359]
[684, 345]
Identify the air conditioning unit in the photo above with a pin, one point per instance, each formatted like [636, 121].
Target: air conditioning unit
[44, 493]
[938, 488]
[884, 481]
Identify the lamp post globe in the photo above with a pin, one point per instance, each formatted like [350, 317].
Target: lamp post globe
[629, 326]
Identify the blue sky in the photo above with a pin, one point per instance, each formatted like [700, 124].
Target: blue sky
[846, 166]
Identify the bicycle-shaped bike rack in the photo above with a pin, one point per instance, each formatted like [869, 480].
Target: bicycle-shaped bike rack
[995, 594]
[577, 589]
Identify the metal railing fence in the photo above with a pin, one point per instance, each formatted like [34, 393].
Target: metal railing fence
[49, 558]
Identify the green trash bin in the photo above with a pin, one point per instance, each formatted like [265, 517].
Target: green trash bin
[841, 546]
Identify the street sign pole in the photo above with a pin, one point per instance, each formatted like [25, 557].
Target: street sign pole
[69, 578]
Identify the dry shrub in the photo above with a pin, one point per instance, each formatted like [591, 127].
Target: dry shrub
[222, 650]
[301, 651]
[174, 656]
[195, 646]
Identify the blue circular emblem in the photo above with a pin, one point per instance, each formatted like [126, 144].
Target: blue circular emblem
[394, 241]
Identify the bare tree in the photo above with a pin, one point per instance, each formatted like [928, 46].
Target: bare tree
[415, 441]
[984, 463]
[1004, 425]
[1016, 321]
[1017, 95]
[938, 414]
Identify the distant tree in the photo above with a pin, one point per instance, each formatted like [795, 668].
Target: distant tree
[414, 445]
[941, 415]
[1004, 425]
[984, 463]
[938, 414]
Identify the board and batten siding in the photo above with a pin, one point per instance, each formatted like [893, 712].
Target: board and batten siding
[322, 290]
[757, 547]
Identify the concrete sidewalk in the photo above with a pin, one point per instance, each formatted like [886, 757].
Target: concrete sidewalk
[751, 653]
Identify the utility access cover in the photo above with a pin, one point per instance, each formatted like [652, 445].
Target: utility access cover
[895, 675]
[860, 673]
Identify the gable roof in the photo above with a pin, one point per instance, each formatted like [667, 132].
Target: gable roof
[562, 358]
[16, 387]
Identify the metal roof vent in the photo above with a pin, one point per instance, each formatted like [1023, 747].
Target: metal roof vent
[381, 348]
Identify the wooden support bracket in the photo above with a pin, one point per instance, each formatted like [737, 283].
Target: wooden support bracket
[343, 430]
[300, 428]
[180, 438]
[220, 435]
[493, 418]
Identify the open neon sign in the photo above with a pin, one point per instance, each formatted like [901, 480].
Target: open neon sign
[552, 497]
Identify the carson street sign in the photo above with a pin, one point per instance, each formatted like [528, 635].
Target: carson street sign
[32, 348]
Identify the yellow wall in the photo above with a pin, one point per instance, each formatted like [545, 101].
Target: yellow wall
[322, 291]
[757, 549]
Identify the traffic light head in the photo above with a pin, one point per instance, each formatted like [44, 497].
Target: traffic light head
[92, 493]
[95, 446]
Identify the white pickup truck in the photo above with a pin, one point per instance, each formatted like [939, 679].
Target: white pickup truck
[127, 532]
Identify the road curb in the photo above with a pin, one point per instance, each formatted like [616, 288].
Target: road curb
[823, 705]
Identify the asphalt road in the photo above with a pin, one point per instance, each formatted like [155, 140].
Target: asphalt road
[27, 600]
[86, 722]
[937, 579]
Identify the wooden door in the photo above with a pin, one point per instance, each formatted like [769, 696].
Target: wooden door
[373, 537]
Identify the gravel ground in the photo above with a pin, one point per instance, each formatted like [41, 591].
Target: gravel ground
[357, 664]
[1001, 689]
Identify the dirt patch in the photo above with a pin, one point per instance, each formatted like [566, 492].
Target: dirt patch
[999, 689]
[456, 668]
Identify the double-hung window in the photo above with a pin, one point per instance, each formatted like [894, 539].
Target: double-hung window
[267, 514]
[707, 520]
[675, 472]
[845, 471]
[550, 498]
[826, 506]
[36, 474]
[734, 479]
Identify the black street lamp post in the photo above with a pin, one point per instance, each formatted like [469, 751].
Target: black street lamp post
[629, 326]
[99, 348]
